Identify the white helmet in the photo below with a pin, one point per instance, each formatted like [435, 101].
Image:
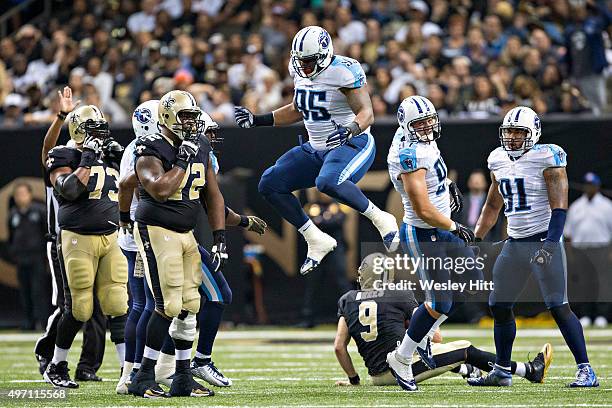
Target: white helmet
[144, 118]
[311, 51]
[525, 119]
[416, 108]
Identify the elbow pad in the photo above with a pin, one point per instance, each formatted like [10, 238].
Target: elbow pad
[69, 186]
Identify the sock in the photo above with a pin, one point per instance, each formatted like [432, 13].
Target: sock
[120, 349]
[483, 359]
[210, 319]
[59, 354]
[371, 211]
[141, 334]
[127, 369]
[157, 330]
[201, 356]
[571, 329]
[520, 370]
[130, 334]
[183, 354]
[420, 324]
[288, 207]
[432, 331]
[136, 366]
[499, 367]
[504, 334]
[168, 346]
[67, 329]
[309, 230]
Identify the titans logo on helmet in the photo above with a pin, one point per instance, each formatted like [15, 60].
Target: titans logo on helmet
[143, 115]
[401, 115]
[536, 123]
[324, 39]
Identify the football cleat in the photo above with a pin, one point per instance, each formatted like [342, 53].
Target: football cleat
[386, 224]
[209, 373]
[43, 362]
[426, 355]
[184, 385]
[317, 251]
[124, 380]
[401, 370]
[585, 377]
[143, 385]
[496, 378]
[540, 364]
[57, 375]
[472, 372]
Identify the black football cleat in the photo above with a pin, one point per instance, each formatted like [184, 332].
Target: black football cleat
[538, 367]
[427, 355]
[84, 375]
[57, 375]
[183, 385]
[43, 362]
[143, 385]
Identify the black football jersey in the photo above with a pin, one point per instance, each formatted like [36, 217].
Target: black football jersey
[376, 321]
[179, 213]
[96, 211]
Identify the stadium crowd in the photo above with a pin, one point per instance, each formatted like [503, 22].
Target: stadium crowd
[472, 58]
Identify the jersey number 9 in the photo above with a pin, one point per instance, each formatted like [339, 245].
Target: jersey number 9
[368, 312]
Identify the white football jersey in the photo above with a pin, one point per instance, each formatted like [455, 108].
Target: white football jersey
[522, 185]
[321, 101]
[126, 241]
[406, 157]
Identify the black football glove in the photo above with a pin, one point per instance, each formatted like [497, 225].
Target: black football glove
[253, 223]
[543, 256]
[112, 150]
[186, 153]
[244, 117]
[342, 134]
[463, 232]
[92, 150]
[456, 198]
[219, 250]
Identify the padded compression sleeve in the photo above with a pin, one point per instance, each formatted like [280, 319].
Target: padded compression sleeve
[69, 186]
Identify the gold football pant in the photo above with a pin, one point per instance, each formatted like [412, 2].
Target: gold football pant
[451, 355]
[172, 267]
[94, 264]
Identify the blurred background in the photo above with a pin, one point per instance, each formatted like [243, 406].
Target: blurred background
[475, 60]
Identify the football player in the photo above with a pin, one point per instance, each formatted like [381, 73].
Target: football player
[418, 173]
[530, 181]
[85, 185]
[376, 319]
[174, 171]
[331, 98]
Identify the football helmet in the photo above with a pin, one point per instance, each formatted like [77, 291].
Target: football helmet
[179, 112]
[523, 119]
[145, 117]
[311, 51]
[87, 120]
[375, 267]
[211, 129]
[415, 109]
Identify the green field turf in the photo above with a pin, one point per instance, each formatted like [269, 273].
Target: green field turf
[282, 368]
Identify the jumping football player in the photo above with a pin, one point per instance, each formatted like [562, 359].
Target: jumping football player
[174, 170]
[331, 98]
[418, 173]
[530, 181]
[85, 184]
[376, 321]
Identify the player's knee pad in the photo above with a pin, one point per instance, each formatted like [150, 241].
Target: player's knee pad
[502, 314]
[82, 304]
[114, 300]
[117, 329]
[80, 276]
[184, 329]
[191, 303]
[561, 312]
[326, 184]
[268, 184]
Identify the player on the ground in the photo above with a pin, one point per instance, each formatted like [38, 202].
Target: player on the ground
[418, 173]
[85, 184]
[174, 170]
[331, 98]
[376, 320]
[530, 181]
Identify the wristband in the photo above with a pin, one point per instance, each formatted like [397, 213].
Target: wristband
[453, 227]
[61, 115]
[267, 119]
[244, 221]
[182, 164]
[124, 216]
[354, 380]
[354, 128]
[88, 158]
[219, 236]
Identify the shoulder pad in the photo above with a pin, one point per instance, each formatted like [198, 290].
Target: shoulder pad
[348, 72]
[62, 156]
[149, 145]
[414, 156]
[496, 157]
[549, 155]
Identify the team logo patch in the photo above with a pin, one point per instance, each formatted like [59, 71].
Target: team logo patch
[401, 114]
[324, 39]
[536, 123]
[169, 102]
[408, 163]
[143, 115]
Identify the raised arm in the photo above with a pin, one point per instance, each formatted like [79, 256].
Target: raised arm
[66, 106]
[284, 115]
[490, 210]
[342, 355]
[158, 183]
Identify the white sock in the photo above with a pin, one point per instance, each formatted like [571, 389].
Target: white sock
[432, 331]
[463, 370]
[372, 211]
[407, 347]
[310, 231]
[183, 354]
[201, 356]
[151, 354]
[120, 349]
[166, 358]
[503, 368]
[127, 368]
[136, 366]
[521, 370]
[59, 354]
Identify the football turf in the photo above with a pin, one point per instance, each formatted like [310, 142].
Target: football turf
[284, 367]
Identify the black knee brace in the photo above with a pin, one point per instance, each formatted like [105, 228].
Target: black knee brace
[117, 328]
[502, 314]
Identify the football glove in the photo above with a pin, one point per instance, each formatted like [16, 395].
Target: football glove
[456, 198]
[125, 222]
[256, 224]
[543, 256]
[219, 250]
[463, 232]
[92, 148]
[342, 134]
[112, 150]
[186, 153]
[244, 117]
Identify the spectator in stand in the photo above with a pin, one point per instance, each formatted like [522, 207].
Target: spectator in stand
[483, 103]
[144, 20]
[13, 110]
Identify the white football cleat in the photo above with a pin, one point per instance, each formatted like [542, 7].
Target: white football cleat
[317, 251]
[124, 381]
[386, 224]
[210, 373]
[401, 370]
